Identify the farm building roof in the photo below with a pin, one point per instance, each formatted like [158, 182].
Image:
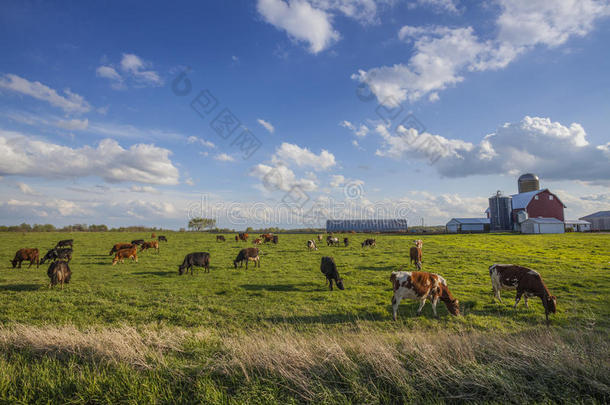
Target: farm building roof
[597, 215]
[544, 220]
[521, 200]
[471, 220]
[576, 222]
[366, 225]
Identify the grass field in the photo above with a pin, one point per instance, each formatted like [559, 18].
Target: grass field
[141, 333]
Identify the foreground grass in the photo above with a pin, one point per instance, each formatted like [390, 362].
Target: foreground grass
[141, 333]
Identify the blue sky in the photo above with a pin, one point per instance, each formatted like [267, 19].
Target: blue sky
[365, 108]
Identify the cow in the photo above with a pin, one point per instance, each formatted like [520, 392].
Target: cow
[59, 272]
[346, 242]
[137, 242]
[236, 238]
[267, 237]
[65, 242]
[123, 254]
[162, 238]
[220, 238]
[150, 245]
[320, 237]
[415, 255]
[247, 255]
[199, 259]
[369, 242]
[243, 236]
[257, 241]
[311, 245]
[58, 254]
[275, 240]
[527, 282]
[332, 241]
[119, 246]
[26, 254]
[153, 236]
[329, 269]
[422, 286]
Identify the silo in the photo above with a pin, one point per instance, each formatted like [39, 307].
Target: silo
[500, 208]
[528, 182]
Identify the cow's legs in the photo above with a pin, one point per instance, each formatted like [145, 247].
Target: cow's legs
[421, 305]
[330, 284]
[525, 301]
[395, 302]
[434, 302]
[518, 298]
[418, 265]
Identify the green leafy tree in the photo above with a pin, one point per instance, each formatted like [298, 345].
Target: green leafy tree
[199, 224]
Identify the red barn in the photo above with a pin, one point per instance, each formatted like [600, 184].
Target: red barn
[538, 203]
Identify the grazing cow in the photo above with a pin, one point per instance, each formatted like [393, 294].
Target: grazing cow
[267, 237]
[415, 256]
[150, 245]
[199, 259]
[162, 238]
[236, 238]
[329, 269]
[311, 245]
[369, 242]
[332, 241]
[346, 242]
[247, 255]
[526, 281]
[26, 254]
[320, 237]
[137, 242]
[123, 254]
[243, 236]
[58, 254]
[153, 236]
[422, 286]
[65, 242]
[59, 272]
[120, 246]
[220, 238]
[257, 241]
[275, 239]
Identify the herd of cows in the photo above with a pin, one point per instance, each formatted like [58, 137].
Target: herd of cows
[416, 285]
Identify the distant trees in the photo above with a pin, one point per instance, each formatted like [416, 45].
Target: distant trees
[74, 228]
[199, 224]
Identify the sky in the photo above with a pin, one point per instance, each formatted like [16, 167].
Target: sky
[286, 113]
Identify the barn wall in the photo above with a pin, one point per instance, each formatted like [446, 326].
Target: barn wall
[543, 207]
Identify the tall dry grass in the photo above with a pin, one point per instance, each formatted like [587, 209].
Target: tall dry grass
[363, 365]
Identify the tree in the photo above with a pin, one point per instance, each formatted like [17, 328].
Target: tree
[199, 224]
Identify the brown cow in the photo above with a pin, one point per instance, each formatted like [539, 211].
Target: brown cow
[243, 236]
[150, 245]
[236, 238]
[415, 255]
[220, 238]
[153, 236]
[26, 254]
[422, 286]
[247, 255]
[123, 254]
[257, 241]
[267, 237]
[120, 246]
[320, 237]
[59, 272]
[526, 281]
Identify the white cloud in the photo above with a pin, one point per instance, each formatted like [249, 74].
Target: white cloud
[441, 55]
[70, 102]
[53, 207]
[142, 163]
[360, 131]
[201, 141]
[223, 157]
[189, 181]
[301, 21]
[73, 124]
[439, 6]
[25, 189]
[267, 125]
[281, 177]
[364, 11]
[133, 68]
[337, 180]
[144, 189]
[110, 73]
[302, 157]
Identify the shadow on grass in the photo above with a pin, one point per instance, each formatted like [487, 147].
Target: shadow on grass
[330, 318]
[157, 273]
[20, 287]
[378, 268]
[309, 287]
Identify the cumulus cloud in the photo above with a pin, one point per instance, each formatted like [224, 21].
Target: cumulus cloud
[142, 163]
[364, 11]
[550, 149]
[337, 180]
[134, 69]
[267, 125]
[442, 55]
[280, 177]
[25, 189]
[44, 209]
[223, 157]
[69, 102]
[439, 6]
[289, 153]
[301, 21]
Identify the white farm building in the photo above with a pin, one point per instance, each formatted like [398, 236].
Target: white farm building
[577, 225]
[542, 225]
[467, 225]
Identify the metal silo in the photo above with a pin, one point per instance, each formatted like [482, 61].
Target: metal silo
[528, 182]
[500, 208]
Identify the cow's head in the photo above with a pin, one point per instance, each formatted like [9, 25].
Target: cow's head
[340, 284]
[453, 307]
[181, 269]
[14, 262]
[551, 304]
[235, 263]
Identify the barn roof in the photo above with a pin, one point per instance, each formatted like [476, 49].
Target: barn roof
[471, 220]
[597, 215]
[544, 220]
[576, 222]
[521, 200]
